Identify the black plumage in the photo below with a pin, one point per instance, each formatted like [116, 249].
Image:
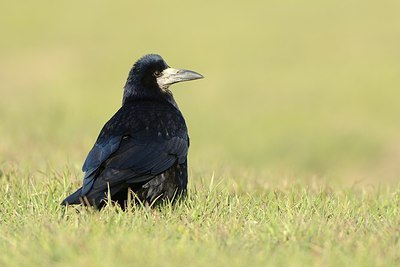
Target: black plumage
[144, 146]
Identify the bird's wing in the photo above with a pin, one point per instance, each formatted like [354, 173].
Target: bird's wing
[133, 157]
[100, 152]
[148, 155]
[135, 161]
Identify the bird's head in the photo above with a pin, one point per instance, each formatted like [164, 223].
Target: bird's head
[151, 76]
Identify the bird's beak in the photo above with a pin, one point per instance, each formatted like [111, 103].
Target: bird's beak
[170, 76]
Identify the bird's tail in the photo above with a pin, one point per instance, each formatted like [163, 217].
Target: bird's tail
[74, 198]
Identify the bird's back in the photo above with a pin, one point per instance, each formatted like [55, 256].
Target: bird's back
[143, 147]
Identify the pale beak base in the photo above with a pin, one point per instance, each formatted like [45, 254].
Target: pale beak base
[170, 76]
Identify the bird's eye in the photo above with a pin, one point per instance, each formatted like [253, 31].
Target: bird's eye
[157, 73]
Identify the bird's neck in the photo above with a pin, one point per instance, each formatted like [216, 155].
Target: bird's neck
[133, 94]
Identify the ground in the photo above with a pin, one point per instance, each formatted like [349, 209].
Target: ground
[295, 151]
[218, 224]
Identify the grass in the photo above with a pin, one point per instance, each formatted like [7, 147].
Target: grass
[296, 120]
[296, 224]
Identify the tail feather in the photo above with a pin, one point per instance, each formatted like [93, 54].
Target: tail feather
[74, 198]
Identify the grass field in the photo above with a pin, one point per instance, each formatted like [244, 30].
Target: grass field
[295, 148]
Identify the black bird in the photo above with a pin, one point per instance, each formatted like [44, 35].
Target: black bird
[144, 146]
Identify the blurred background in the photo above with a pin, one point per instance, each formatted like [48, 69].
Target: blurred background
[302, 89]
